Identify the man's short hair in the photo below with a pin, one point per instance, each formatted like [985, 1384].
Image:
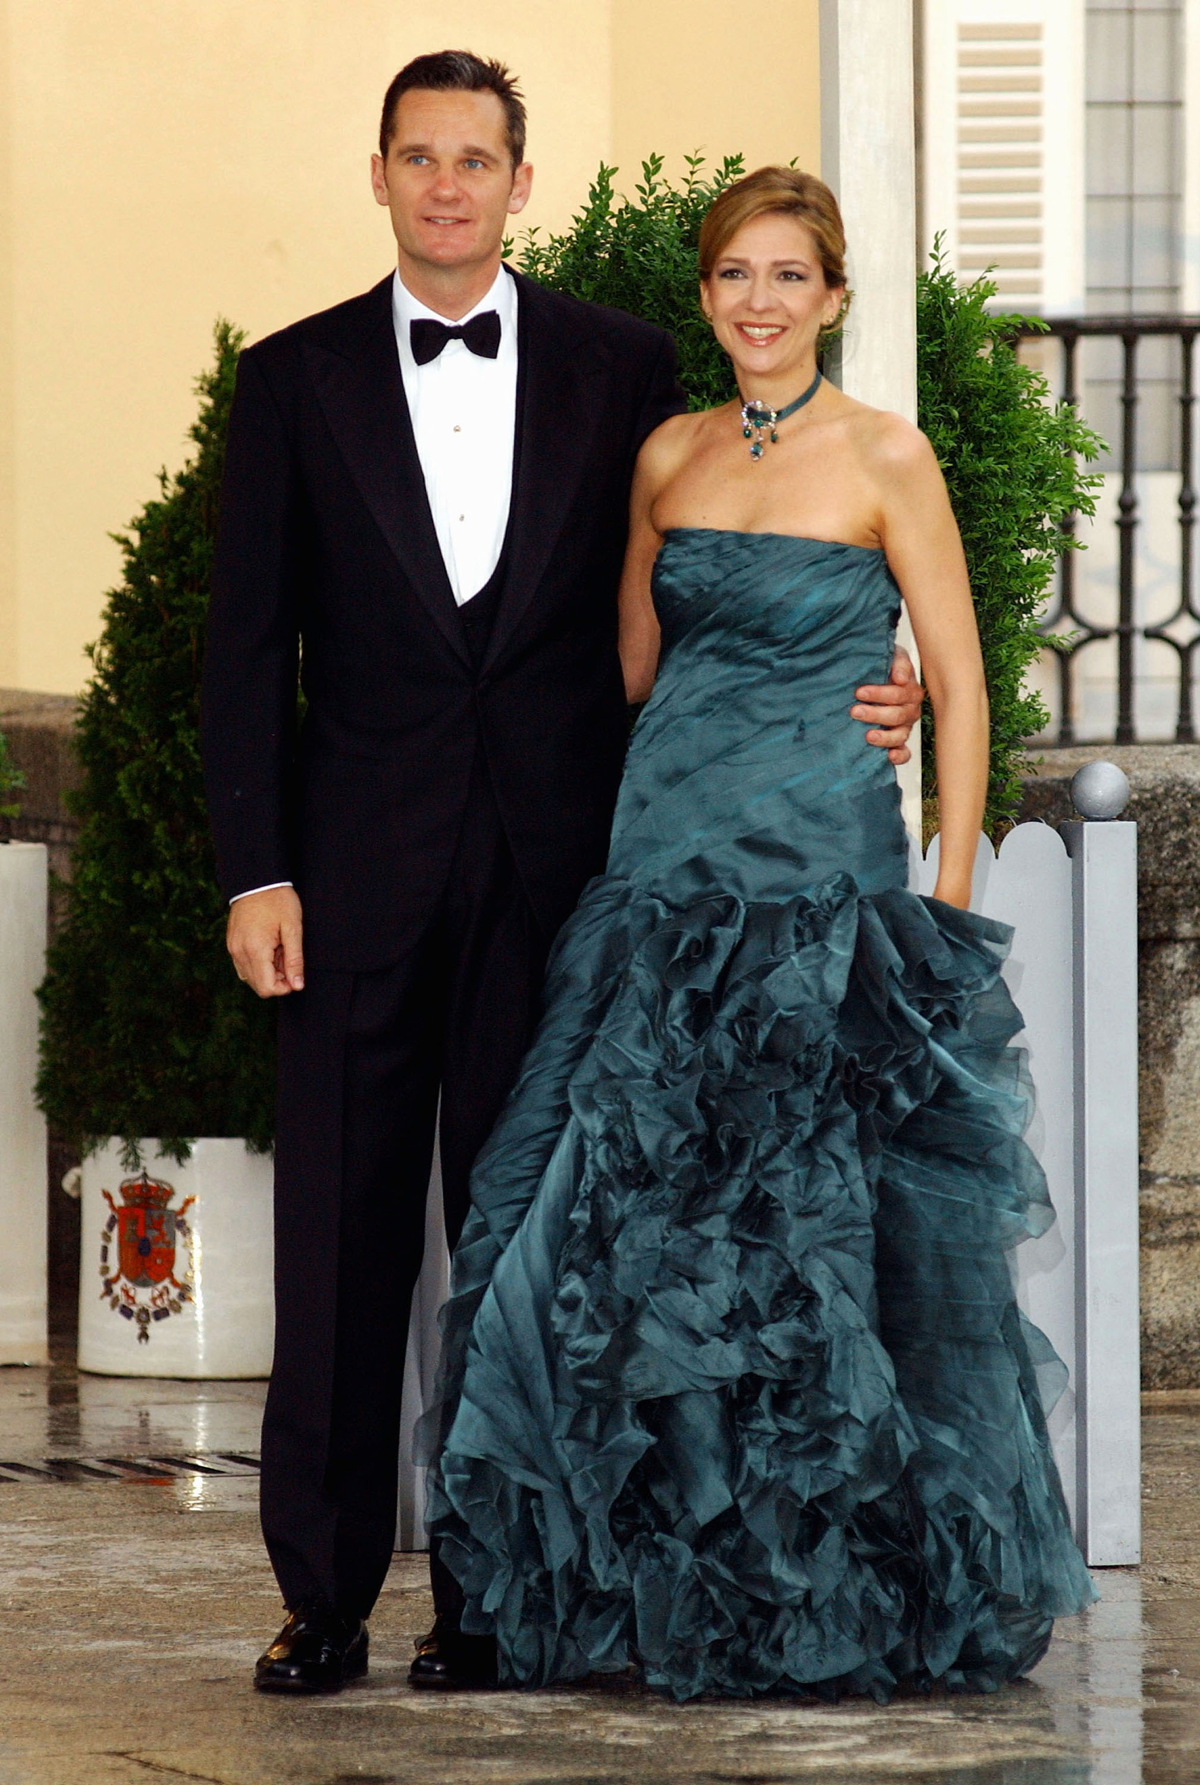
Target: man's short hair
[458, 71]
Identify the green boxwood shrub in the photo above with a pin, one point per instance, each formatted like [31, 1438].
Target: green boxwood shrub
[1014, 462]
[146, 1031]
[640, 256]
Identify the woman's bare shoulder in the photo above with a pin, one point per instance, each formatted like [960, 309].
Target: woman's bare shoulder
[675, 435]
[895, 449]
[666, 449]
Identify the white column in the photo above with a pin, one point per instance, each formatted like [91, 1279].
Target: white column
[22, 1128]
[868, 158]
[1104, 862]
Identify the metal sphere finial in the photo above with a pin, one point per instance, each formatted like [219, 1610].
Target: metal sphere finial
[1099, 790]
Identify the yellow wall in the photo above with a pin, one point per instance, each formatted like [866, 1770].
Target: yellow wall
[163, 161]
[702, 74]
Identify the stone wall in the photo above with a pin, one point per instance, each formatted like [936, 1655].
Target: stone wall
[1165, 804]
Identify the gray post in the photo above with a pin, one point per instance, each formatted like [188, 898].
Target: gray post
[1104, 880]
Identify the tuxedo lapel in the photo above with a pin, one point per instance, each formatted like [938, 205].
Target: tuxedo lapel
[361, 393]
[556, 418]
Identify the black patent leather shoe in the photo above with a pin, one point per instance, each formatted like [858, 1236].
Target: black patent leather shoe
[317, 1650]
[448, 1661]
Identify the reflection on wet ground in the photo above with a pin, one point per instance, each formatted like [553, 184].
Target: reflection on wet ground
[62, 1412]
[128, 1629]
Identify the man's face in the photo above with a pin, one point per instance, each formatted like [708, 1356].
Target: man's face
[448, 180]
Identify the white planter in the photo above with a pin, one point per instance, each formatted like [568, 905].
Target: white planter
[22, 1127]
[175, 1271]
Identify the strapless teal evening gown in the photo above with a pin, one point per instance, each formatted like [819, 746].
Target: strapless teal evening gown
[734, 1384]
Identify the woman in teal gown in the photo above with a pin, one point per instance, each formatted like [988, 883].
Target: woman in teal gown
[735, 1390]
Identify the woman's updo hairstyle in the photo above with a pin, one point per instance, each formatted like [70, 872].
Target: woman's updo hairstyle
[782, 191]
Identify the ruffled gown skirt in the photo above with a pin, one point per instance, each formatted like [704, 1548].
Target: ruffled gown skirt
[735, 1389]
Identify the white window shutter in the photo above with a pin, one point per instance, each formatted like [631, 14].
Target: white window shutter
[1002, 115]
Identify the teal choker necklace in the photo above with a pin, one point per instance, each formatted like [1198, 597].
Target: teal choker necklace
[758, 419]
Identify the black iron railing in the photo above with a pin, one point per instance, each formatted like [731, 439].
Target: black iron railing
[1130, 330]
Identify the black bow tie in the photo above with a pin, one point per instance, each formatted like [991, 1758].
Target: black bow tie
[481, 334]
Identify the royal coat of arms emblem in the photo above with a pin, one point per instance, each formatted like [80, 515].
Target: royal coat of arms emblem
[142, 1282]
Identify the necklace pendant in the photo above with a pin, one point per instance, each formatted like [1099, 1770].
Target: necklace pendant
[759, 419]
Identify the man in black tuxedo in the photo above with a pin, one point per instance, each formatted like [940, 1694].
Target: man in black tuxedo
[426, 490]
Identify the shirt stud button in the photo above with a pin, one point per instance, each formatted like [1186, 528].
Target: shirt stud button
[457, 429]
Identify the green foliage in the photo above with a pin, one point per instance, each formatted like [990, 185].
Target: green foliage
[639, 255]
[1012, 462]
[11, 779]
[145, 1029]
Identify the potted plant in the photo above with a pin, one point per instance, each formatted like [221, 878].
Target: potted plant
[155, 1061]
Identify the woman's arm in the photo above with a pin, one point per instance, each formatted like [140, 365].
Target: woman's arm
[638, 624]
[925, 553]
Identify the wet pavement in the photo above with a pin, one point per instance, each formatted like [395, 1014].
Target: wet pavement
[134, 1596]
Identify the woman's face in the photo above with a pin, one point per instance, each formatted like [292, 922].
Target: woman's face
[767, 299]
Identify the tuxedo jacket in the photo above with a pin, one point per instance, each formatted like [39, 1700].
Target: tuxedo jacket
[328, 568]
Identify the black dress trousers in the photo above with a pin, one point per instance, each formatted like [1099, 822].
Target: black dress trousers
[362, 1058]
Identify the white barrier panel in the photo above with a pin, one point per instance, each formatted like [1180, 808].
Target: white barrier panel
[22, 1126]
[1071, 900]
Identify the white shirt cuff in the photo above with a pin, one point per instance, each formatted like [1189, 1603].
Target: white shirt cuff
[251, 890]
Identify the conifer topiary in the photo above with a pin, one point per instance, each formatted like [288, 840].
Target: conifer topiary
[146, 1031]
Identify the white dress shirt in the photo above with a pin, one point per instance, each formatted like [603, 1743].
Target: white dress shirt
[464, 413]
[463, 409]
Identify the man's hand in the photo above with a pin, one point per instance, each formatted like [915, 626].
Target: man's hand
[264, 937]
[892, 710]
